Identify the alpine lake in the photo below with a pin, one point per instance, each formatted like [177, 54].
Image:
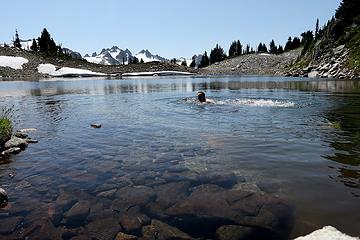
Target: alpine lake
[267, 158]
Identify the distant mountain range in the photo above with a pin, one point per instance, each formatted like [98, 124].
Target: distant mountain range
[117, 56]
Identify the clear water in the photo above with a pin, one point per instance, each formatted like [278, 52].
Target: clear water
[296, 139]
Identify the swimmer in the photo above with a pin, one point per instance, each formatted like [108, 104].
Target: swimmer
[202, 98]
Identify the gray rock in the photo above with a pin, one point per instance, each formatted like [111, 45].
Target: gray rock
[123, 236]
[313, 74]
[8, 225]
[103, 228]
[20, 135]
[31, 140]
[77, 214]
[16, 142]
[235, 232]
[14, 150]
[162, 231]
[3, 198]
[96, 125]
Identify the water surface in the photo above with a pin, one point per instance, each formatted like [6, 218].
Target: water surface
[295, 139]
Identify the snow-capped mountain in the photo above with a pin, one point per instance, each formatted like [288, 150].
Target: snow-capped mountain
[116, 56]
[147, 56]
[110, 56]
[189, 60]
[72, 53]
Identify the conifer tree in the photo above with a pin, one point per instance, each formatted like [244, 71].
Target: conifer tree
[280, 50]
[288, 45]
[141, 60]
[238, 48]
[317, 29]
[273, 49]
[217, 54]
[17, 43]
[204, 61]
[34, 46]
[183, 63]
[193, 63]
[232, 49]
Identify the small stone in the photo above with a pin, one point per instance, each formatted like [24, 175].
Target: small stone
[20, 135]
[31, 140]
[95, 125]
[133, 222]
[3, 198]
[103, 228]
[123, 236]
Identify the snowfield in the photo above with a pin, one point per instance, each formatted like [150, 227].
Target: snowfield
[12, 62]
[155, 74]
[50, 69]
[327, 233]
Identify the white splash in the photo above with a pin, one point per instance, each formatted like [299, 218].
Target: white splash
[245, 102]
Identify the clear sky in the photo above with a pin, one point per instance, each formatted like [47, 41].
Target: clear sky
[170, 28]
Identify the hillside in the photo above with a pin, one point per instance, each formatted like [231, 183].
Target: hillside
[30, 69]
[254, 64]
[335, 52]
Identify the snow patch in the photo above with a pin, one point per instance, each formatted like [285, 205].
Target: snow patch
[155, 74]
[327, 233]
[265, 54]
[12, 62]
[50, 69]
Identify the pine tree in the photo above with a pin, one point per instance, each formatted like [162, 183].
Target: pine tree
[193, 63]
[34, 46]
[317, 29]
[295, 43]
[183, 63]
[141, 60]
[273, 49]
[280, 50]
[238, 48]
[265, 50]
[232, 49]
[288, 45]
[135, 60]
[204, 61]
[247, 51]
[17, 43]
[217, 54]
[44, 41]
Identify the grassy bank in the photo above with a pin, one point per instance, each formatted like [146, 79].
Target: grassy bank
[6, 126]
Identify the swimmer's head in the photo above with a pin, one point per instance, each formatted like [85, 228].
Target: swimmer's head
[201, 96]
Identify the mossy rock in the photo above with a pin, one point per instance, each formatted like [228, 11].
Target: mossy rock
[6, 129]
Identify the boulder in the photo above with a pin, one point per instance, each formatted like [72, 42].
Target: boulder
[133, 222]
[162, 231]
[14, 150]
[16, 142]
[65, 200]
[21, 135]
[3, 198]
[123, 236]
[103, 228]
[313, 74]
[128, 197]
[235, 232]
[77, 214]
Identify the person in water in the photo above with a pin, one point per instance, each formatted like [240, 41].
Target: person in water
[201, 97]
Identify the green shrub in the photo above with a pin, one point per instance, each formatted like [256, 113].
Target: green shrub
[6, 126]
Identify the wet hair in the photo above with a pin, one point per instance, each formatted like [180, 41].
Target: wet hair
[201, 96]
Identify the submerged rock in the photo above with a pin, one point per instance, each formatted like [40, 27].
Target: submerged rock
[21, 135]
[162, 231]
[77, 214]
[9, 225]
[3, 198]
[103, 228]
[133, 222]
[235, 232]
[123, 236]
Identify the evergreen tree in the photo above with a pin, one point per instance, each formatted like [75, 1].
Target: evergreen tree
[280, 50]
[204, 60]
[265, 50]
[47, 43]
[238, 48]
[141, 60]
[260, 48]
[317, 29]
[17, 43]
[232, 49]
[273, 48]
[295, 43]
[34, 46]
[288, 45]
[183, 63]
[217, 54]
[247, 50]
[135, 60]
[193, 63]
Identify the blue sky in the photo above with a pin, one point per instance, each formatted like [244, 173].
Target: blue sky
[165, 27]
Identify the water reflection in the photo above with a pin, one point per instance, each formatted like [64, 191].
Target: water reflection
[346, 141]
